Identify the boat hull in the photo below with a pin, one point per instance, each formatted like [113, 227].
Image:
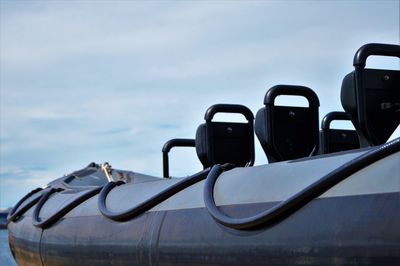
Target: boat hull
[353, 223]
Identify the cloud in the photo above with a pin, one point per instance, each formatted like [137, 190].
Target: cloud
[16, 182]
[112, 81]
[58, 31]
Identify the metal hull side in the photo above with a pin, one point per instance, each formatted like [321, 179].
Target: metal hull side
[349, 230]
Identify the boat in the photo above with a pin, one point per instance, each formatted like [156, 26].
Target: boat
[326, 197]
[3, 219]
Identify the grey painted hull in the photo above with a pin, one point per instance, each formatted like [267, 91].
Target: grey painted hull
[353, 223]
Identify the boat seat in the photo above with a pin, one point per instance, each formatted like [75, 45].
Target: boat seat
[335, 140]
[168, 146]
[226, 142]
[288, 132]
[372, 96]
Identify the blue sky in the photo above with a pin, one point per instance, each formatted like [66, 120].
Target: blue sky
[84, 81]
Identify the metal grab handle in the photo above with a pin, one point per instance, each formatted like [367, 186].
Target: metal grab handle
[177, 143]
[168, 146]
[295, 90]
[228, 108]
[369, 49]
[326, 121]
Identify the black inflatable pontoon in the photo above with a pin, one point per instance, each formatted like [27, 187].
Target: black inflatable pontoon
[329, 198]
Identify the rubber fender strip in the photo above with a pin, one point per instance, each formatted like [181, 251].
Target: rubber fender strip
[14, 214]
[298, 200]
[36, 221]
[154, 200]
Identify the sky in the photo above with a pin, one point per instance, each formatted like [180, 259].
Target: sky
[112, 81]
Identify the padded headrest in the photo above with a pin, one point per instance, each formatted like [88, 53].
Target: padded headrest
[201, 144]
[374, 104]
[372, 96]
[262, 134]
[224, 142]
[228, 143]
[335, 140]
[288, 132]
[348, 96]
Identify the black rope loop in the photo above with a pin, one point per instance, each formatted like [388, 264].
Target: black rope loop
[15, 213]
[154, 200]
[299, 199]
[60, 213]
[42, 200]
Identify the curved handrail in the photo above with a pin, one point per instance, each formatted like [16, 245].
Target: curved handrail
[14, 214]
[228, 108]
[294, 90]
[177, 143]
[60, 213]
[151, 202]
[299, 199]
[332, 116]
[366, 50]
[168, 146]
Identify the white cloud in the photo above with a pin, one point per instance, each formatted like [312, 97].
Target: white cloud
[112, 81]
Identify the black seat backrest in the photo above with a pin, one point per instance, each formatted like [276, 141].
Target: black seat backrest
[372, 96]
[335, 140]
[168, 146]
[287, 132]
[223, 142]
